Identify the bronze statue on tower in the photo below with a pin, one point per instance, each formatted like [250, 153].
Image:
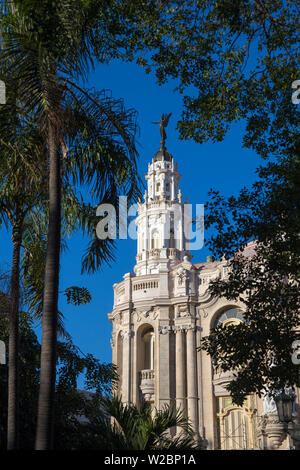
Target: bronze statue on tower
[164, 120]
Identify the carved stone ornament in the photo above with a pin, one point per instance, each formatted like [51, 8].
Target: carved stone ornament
[119, 318]
[197, 312]
[179, 328]
[205, 313]
[126, 334]
[163, 330]
[205, 280]
[150, 314]
[190, 327]
[183, 311]
[185, 328]
[113, 340]
[181, 276]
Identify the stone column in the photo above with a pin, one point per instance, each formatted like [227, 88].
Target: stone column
[164, 279]
[192, 399]
[126, 366]
[152, 336]
[127, 286]
[164, 359]
[199, 380]
[180, 369]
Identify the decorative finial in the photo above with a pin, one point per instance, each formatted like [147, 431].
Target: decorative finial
[164, 120]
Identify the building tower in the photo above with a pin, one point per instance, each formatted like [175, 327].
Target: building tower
[162, 311]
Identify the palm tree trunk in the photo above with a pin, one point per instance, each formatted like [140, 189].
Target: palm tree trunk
[13, 344]
[45, 420]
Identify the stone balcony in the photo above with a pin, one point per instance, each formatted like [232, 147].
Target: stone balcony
[145, 287]
[147, 383]
[159, 203]
[154, 253]
[157, 253]
[173, 253]
[221, 380]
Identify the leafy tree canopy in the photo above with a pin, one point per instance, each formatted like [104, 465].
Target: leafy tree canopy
[71, 403]
[233, 60]
[267, 282]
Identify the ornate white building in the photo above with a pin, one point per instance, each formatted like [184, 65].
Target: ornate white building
[159, 316]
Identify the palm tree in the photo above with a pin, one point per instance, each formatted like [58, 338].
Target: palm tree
[122, 426]
[22, 205]
[50, 47]
[19, 192]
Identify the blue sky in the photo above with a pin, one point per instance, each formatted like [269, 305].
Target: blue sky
[225, 166]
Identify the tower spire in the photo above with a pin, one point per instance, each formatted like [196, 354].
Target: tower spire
[161, 240]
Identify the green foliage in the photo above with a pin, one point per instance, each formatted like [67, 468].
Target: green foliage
[33, 265]
[77, 295]
[4, 303]
[72, 362]
[41, 65]
[232, 60]
[29, 355]
[259, 350]
[22, 164]
[4, 293]
[143, 428]
[46, 50]
[70, 402]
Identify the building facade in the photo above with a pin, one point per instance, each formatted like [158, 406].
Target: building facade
[160, 314]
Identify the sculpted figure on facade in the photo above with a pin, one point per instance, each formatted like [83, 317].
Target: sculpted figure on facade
[149, 314]
[181, 276]
[269, 405]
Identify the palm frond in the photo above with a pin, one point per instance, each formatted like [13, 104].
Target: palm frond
[145, 428]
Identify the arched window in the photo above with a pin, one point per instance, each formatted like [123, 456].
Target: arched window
[235, 424]
[143, 245]
[230, 316]
[155, 239]
[148, 348]
[172, 240]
